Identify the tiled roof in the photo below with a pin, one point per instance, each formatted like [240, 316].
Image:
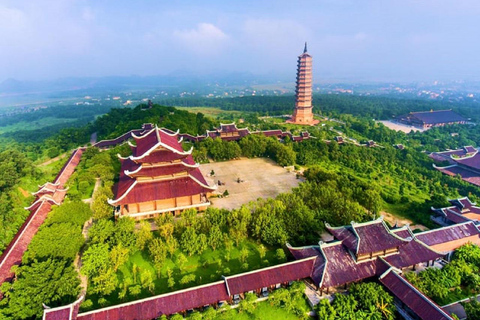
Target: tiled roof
[161, 156]
[403, 232]
[170, 303]
[412, 253]
[346, 235]
[374, 237]
[362, 238]
[164, 170]
[416, 301]
[61, 314]
[454, 216]
[159, 190]
[447, 234]
[471, 162]
[310, 251]
[153, 138]
[466, 174]
[287, 272]
[341, 268]
[434, 117]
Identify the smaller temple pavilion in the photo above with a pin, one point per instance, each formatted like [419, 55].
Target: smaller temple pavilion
[464, 162]
[159, 177]
[364, 250]
[461, 210]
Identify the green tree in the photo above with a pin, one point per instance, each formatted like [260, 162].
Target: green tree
[100, 207]
[215, 237]
[189, 241]
[119, 255]
[101, 231]
[144, 235]
[147, 281]
[52, 282]
[325, 310]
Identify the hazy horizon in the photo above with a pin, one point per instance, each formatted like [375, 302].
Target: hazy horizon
[352, 40]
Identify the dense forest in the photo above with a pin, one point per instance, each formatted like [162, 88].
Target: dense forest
[371, 107]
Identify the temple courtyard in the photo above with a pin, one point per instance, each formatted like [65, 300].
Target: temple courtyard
[260, 178]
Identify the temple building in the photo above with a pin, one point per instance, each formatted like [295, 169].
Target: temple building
[159, 177]
[369, 250]
[461, 210]
[428, 119]
[464, 162]
[303, 91]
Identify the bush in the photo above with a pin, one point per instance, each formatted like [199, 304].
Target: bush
[103, 302]
[280, 254]
[87, 304]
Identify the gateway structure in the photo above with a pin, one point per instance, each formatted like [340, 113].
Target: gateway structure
[159, 177]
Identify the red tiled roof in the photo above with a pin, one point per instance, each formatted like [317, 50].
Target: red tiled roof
[165, 170]
[341, 268]
[154, 137]
[403, 233]
[60, 314]
[412, 253]
[12, 255]
[367, 237]
[311, 251]
[435, 117]
[422, 306]
[471, 162]
[374, 237]
[287, 272]
[346, 235]
[447, 234]
[454, 215]
[466, 174]
[158, 190]
[161, 156]
[69, 167]
[154, 307]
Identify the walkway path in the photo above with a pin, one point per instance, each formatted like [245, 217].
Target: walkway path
[46, 163]
[14, 251]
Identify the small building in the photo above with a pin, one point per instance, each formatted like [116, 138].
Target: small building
[463, 162]
[159, 177]
[428, 119]
[461, 210]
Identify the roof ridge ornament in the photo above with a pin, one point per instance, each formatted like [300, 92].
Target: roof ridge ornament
[305, 49]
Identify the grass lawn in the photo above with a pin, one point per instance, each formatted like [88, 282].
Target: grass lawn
[207, 267]
[263, 311]
[211, 111]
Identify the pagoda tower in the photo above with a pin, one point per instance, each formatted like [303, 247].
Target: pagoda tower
[303, 91]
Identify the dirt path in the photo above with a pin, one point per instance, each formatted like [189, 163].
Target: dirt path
[46, 163]
[390, 218]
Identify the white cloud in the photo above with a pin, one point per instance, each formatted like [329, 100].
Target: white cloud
[206, 38]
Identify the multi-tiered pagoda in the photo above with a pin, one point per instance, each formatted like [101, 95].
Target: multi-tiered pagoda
[303, 91]
[159, 177]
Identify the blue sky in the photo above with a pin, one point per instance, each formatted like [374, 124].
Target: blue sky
[355, 40]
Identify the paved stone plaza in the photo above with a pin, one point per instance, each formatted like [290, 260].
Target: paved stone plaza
[262, 178]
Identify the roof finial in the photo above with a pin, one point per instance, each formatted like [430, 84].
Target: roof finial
[305, 50]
